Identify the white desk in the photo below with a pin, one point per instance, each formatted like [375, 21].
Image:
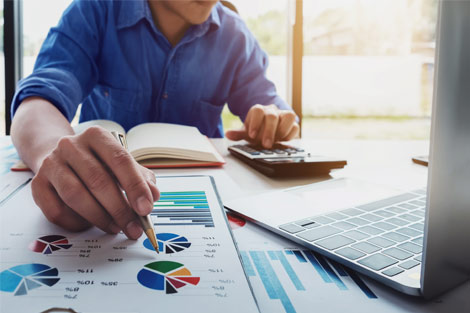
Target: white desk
[377, 161]
[385, 162]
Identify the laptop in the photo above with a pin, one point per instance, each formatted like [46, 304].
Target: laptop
[417, 242]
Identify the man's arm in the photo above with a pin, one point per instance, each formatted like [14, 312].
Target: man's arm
[267, 118]
[78, 177]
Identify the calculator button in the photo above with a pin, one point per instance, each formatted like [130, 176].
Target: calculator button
[266, 151]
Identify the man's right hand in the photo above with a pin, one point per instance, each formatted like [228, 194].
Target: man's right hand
[78, 184]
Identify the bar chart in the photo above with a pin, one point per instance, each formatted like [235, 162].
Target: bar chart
[184, 208]
[264, 265]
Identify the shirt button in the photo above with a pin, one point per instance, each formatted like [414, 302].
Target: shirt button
[165, 96]
[106, 93]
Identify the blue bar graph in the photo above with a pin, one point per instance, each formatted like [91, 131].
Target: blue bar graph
[318, 267]
[182, 208]
[250, 271]
[270, 280]
[299, 256]
[290, 271]
[361, 284]
[326, 272]
[262, 264]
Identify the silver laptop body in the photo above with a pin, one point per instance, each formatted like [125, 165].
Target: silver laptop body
[416, 242]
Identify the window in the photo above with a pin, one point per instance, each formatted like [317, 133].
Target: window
[267, 20]
[2, 75]
[368, 65]
[38, 18]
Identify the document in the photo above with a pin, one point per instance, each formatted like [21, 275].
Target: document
[288, 278]
[199, 269]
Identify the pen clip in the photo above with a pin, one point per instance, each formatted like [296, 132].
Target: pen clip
[121, 138]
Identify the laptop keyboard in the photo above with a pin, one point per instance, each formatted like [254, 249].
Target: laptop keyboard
[385, 236]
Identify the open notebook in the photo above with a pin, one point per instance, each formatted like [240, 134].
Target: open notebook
[162, 145]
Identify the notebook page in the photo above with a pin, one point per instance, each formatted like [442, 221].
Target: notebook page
[167, 136]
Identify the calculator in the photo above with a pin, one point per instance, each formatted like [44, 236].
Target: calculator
[285, 160]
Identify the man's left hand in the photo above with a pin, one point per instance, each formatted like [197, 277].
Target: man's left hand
[265, 125]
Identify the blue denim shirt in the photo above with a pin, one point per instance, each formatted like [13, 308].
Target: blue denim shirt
[109, 56]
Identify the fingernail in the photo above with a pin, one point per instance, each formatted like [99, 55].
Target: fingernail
[253, 134]
[113, 228]
[134, 231]
[144, 206]
[267, 143]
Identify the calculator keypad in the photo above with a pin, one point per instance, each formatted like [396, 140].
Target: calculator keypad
[277, 151]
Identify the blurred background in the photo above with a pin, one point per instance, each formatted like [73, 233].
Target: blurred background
[367, 68]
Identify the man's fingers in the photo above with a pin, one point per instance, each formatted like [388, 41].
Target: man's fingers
[286, 122]
[270, 123]
[254, 120]
[151, 182]
[75, 195]
[237, 134]
[124, 168]
[55, 210]
[100, 184]
[294, 132]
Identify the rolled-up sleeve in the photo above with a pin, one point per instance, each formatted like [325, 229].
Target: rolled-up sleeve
[250, 85]
[65, 71]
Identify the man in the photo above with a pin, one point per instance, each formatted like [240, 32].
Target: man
[133, 62]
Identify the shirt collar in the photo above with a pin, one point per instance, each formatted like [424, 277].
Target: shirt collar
[132, 12]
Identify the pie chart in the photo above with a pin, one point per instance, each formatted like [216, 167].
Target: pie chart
[166, 276]
[169, 243]
[49, 244]
[20, 279]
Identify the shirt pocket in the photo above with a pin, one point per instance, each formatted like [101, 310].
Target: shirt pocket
[119, 100]
[207, 118]
[120, 105]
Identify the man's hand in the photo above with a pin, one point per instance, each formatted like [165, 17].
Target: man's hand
[79, 183]
[266, 125]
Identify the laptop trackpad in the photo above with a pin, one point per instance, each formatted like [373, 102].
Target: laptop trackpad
[284, 206]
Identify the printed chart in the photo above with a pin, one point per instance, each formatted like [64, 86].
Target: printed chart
[182, 208]
[260, 263]
[8, 155]
[49, 244]
[21, 279]
[169, 243]
[166, 276]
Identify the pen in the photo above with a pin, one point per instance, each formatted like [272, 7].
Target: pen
[146, 221]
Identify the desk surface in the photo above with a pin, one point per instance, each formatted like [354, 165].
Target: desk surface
[377, 161]
[384, 162]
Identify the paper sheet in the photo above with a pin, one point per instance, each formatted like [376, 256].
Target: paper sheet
[287, 278]
[43, 266]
